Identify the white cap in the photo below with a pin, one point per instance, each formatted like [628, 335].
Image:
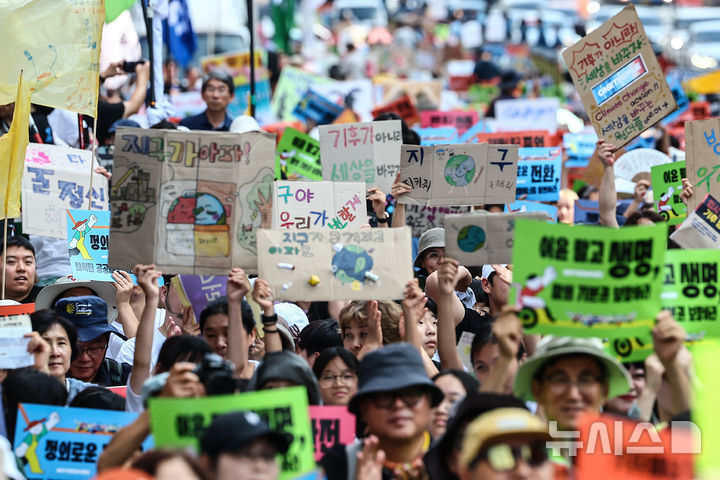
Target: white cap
[244, 124]
[487, 269]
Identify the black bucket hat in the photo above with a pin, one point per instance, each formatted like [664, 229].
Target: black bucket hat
[391, 368]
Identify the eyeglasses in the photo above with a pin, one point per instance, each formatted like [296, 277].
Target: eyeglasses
[562, 383]
[434, 256]
[328, 380]
[217, 89]
[385, 400]
[93, 351]
[503, 457]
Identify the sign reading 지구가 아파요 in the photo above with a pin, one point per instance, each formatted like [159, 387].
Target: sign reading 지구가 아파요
[619, 79]
[588, 281]
[303, 205]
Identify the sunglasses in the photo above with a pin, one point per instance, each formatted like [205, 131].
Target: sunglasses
[385, 400]
[503, 457]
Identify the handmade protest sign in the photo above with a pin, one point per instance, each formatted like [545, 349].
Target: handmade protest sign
[57, 178]
[403, 106]
[525, 206]
[190, 202]
[301, 205]
[530, 138]
[701, 229]
[316, 108]
[361, 151]
[619, 79]
[300, 154]
[527, 114]
[702, 143]
[88, 237]
[422, 218]
[416, 170]
[331, 426]
[584, 281]
[320, 265]
[479, 238]
[199, 290]
[291, 86]
[462, 121]
[180, 422]
[14, 324]
[64, 443]
[539, 171]
[667, 185]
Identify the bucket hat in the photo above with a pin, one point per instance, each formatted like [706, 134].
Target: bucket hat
[103, 290]
[432, 238]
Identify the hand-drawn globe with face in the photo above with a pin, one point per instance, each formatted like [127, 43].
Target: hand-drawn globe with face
[351, 263]
[459, 170]
[471, 238]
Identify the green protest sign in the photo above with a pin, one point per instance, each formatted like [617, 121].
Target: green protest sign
[482, 94]
[667, 185]
[704, 411]
[180, 422]
[300, 154]
[587, 281]
[630, 349]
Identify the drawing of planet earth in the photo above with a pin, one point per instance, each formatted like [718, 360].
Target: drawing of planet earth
[459, 170]
[471, 238]
[197, 209]
[351, 263]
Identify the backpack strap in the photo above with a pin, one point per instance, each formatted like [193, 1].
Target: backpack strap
[114, 369]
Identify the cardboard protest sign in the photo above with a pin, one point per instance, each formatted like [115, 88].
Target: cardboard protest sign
[519, 206]
[65, 443]
[423, 218]
[526, 114]
[702, 144]
[190, 202]
[539, 171]
[416, 172]
[291, 86]
[619, 79]
[320, 265]
[403, 106]
[14, 323]
[302, 205]
[587, 211]
[315, 108]
[354, 95]
[361, 151]
[701, 229]
[667, 185]
[462, 121]
[300, 154]
[88, 237]
[180, 422]
[438, 135]
[530, 138]
[331, 426]
[587, 281]
[199, 290]
[57, 178]
[478, 238]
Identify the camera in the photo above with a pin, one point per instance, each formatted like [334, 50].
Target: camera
[129, 67]
[216, 375]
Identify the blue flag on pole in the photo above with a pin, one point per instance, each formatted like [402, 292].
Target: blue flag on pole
[178, 32]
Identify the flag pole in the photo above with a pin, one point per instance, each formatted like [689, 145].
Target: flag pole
[251, 27]
[148, 17]
[4, 256]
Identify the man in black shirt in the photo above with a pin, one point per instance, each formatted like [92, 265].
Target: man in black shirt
[218, 91]
[20, 270]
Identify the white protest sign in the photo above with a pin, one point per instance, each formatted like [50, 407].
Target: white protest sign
[302, 205]
[14, 323]
[527, 114]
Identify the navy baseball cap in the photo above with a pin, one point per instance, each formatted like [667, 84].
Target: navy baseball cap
[89, 315]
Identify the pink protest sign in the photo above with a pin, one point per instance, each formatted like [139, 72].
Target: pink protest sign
[331, 425]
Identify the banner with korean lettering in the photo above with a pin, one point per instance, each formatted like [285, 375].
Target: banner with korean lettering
[438, 135]
[422, 218]
[461, 120]
[301, 205]
[526, 114]
[619, 79]
[180, 422]
[550, 211]
[702, 143]
[588, 281]
[667, 185]
[367, 152]
[63, 442]
[416, 170]
[579, 147]
[14, 324]
[201, 290]
[539, 172]
[526, 139]
[88, 237]
[331, 426]
[299, 154]
[190, 202]
[317, 109]
[57, 178]
[323, 265]
[701, 229]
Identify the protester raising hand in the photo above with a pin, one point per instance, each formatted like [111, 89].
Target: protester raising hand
[687, 191]
[397, 190]
[262, 294]
[607, 200]
[40, 350]
[123, 292]
[238, 286]
[447, 275]
[507, 331]
[374, 338]
[377, 198]
[413, 306]
[370, 460]
[147, 279]
[668, 338]
[440, 286]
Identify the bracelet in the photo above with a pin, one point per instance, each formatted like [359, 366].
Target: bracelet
[383, 220]
[269, 320]
[270, 331]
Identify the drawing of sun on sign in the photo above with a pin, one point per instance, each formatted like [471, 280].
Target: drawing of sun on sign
[132, 197]
[353, 264]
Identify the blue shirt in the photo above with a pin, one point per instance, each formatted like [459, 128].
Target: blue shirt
[201, 122]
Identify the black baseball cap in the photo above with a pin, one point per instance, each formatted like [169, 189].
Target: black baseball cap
[234, 431]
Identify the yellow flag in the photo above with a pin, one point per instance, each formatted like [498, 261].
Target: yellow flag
[57, 45]
[12, 154]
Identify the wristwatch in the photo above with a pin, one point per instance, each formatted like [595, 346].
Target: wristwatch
[385, 219]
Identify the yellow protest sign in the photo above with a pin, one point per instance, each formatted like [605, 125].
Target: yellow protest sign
[12, 153]
[57, 45]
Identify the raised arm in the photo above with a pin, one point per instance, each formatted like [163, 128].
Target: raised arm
[608, 196]
[147, 279]
[668, 338]
[398, 189]
[413, 306]
[262, 294]
[377, 197]
[123, 291]
[237, 287]
[447, 303]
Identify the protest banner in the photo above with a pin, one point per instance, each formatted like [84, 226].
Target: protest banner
[470, 135]
[197, 291]
[539, 171]
[317, 109]
[438, 135]
[14, 324]
[701, 229]
[621, 449]
[704, 410]
[519, 206]
[702, 143]
[55, 179]
[323, 265]
[331, 426]
[354, 95]
[190, 202]
[482, 95]
[461, 120]
[88, 239]
[587, 212]
[180, 422]
[186, 104]
[584, 281]
[57, 47]
[64, 443]
[619, 79]
[299, 205]
[422, 218]
[667, 185]
[579, 148]
[526, 114]
[291, 86]
[13, 146]
[403, 106]
[299, 154]
[630, 349]
[530, 138]
[478, 238]
[355, 152]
